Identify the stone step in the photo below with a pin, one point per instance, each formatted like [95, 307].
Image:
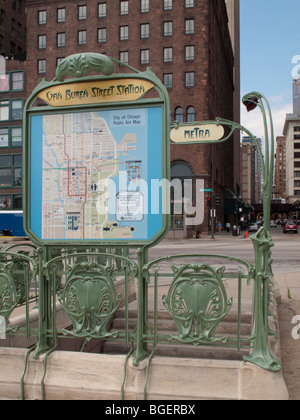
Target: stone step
[179, 350]
[228, 327]
[232, 316]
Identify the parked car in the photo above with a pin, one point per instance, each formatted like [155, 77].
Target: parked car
[253, 227]
[273, 223]
[290, 226]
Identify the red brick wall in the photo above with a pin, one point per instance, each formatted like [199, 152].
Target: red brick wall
[7, 32]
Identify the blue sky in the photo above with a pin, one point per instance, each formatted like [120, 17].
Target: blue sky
[270, 39]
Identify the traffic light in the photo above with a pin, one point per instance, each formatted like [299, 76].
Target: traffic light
[209, 202]
[217, 201]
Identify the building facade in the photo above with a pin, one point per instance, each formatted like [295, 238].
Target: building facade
[247, 168]
[12, 97]
[254, 171]
[13, 28]
[291, 132]
[280, 169]
[190, 46]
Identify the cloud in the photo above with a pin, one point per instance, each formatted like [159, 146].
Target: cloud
[253, 120]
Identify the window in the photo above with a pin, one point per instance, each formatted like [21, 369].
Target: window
[42, 42]
[4, 82]
[17, 202]
[124, 57]
[168, 55]
[5, 177]
[297, 128]
[168, 4]
[189, 26]
[41, 66]
[59, 60]
[124, 9]
[5, 202]
[4, 137]
[145, 30]
[16, 137]
[16, 109]
[17, 80]
[101, 35]
[102, 10]
[145, 6]
[145, 56]
[18, 177]
[61, 15]
[297, 155]
[11, 171]
[81, 37]
[168, 28]
[61, 40]
[13, 27]
[168, 80]
[189, 3]
[297, 174]
[190, 53]
[82, 12]
[296, 145]
[11, 137]
[4, 110]
[297, 184]
[179, 114]
[190, 114]
[189, 79]
[42, 17]
[123, 33]
[2, 17]
[19, 31]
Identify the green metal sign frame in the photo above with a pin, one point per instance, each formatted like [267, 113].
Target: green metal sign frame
[84, 104]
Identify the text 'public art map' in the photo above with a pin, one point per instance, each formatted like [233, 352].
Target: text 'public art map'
[93, 164]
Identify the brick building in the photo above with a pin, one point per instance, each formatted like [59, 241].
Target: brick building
[12, 93]
[186, 42]
[280, 168]
[13, 28]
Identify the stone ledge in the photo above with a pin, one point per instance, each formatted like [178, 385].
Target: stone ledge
[89, 376]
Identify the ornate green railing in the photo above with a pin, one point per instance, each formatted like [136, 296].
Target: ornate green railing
[196, 292]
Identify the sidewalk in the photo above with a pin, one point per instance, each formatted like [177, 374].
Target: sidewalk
[289, 285]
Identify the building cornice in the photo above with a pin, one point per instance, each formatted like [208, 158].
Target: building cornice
[290, 118]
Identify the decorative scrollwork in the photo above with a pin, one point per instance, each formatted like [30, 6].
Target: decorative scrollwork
[197, 302]
[81, 65]
[90, 300]
[9, 294]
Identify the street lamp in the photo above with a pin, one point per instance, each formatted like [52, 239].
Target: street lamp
[252, 101]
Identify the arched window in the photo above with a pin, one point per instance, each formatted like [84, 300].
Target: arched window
[179, 170]
[190, 114]
[179, 114]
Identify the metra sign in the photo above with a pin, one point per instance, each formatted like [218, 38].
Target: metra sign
[199, 133]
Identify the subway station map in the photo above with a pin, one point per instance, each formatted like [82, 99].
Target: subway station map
[81, 162]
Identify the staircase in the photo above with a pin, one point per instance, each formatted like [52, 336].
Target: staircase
[166, 326]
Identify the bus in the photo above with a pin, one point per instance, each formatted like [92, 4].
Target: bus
[11, 223]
